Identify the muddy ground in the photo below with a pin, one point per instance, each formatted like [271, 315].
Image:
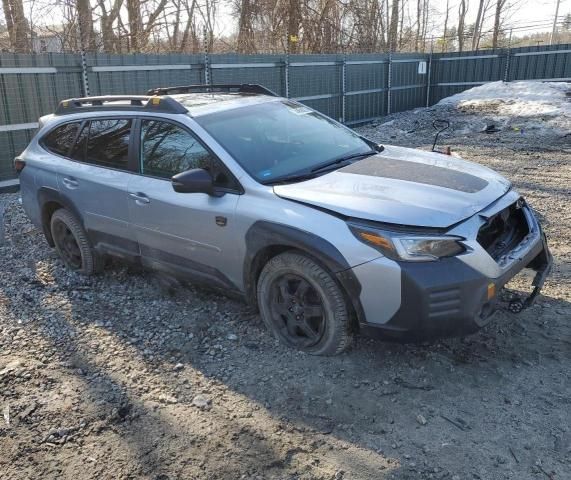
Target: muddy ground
[113, 378]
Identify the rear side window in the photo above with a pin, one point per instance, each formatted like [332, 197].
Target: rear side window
[78, 150]
[61, 139]
[107, 143]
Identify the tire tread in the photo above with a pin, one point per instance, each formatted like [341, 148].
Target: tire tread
[91, 262]
[342, 335]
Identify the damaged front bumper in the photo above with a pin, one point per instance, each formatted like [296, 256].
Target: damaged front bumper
[453, 296]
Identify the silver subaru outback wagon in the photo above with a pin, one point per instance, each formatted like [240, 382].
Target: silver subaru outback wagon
[325, 231]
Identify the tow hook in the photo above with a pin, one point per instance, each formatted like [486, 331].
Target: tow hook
[516, 305]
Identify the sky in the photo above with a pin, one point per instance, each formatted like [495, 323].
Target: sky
[537, 14]
[540, 13]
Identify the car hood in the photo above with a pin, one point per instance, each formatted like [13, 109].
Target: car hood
[403, 186]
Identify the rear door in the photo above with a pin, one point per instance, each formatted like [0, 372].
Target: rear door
[95, 179]
[190, 233]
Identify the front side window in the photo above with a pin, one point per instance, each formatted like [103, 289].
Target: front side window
[167, 149]
[60, 140]
[274, 140]
[108, 143]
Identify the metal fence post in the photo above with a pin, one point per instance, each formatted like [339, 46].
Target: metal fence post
[84, 78]
[429, 73]
[508, 57]
[286, 66]
[206, 58]
[389, 81]
[343, 88]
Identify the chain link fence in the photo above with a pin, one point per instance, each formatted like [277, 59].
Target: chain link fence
[352, 88]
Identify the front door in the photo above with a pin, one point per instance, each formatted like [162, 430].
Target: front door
[189, 233]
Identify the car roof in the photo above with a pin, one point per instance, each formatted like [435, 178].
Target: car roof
[193, 104]
[199, 104]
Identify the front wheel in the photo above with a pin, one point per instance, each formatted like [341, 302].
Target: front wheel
[303, 306]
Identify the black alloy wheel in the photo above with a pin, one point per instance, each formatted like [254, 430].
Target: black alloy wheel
[72, 243]
[297, 311]
[303, 305]
[67, 244]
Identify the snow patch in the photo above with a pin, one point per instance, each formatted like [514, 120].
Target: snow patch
[519, 99]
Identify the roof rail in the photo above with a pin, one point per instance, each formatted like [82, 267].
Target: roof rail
[120, 102]
[248, 88]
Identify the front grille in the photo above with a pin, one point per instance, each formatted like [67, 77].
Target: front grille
[504, 231]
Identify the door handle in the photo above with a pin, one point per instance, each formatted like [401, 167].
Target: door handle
[140, 198]
[70, 182]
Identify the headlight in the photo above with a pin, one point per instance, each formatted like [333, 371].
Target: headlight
[413, 248]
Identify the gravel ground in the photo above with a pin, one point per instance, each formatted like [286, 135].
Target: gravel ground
[113, 377]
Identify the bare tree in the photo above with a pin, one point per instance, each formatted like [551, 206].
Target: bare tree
[444, 35]
[425, 17]
[393, 26]
[108, 18]
[419, 10]
[462, 9]
[481, 17]
[17, 25]
[500, 4]
[85, 22]
[246, 42]
[293, 24]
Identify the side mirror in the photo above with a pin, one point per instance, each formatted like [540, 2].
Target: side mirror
[196, 180]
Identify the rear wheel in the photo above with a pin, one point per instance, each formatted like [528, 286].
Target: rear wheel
[72, 244]
[303, 306]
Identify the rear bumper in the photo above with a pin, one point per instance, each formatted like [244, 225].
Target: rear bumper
[449, 298]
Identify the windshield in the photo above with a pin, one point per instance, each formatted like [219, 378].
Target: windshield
[276, 140]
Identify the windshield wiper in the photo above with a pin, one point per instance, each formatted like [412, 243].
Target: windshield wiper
[290, 178]
[307, 174]
[345, 158]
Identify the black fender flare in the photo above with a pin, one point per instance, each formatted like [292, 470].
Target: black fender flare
[265, 239]
[47, 195]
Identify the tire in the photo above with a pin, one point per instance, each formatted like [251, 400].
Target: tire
[303, 306]
[72, 244]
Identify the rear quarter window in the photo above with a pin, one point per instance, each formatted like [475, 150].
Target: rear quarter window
[61, 139]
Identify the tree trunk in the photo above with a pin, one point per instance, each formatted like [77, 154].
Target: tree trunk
[294, 20]
[424, 23]
[401, 26]
[497, 18]
[418, 24]
[17, 25]
[85, 21]
[393, 28]
[135, 24]
[461, 24]
[245, 28]
[477, 25]
[444, 39]
[9, 21]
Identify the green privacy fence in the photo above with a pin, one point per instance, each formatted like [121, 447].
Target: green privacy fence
[351, 88]
[452, 73]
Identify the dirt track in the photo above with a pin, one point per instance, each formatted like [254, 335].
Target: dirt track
[112, 378]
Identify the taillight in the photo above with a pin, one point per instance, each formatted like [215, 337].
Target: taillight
[19, 164]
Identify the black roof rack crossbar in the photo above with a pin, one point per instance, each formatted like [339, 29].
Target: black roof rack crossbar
[120, 102]
[250, 88]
